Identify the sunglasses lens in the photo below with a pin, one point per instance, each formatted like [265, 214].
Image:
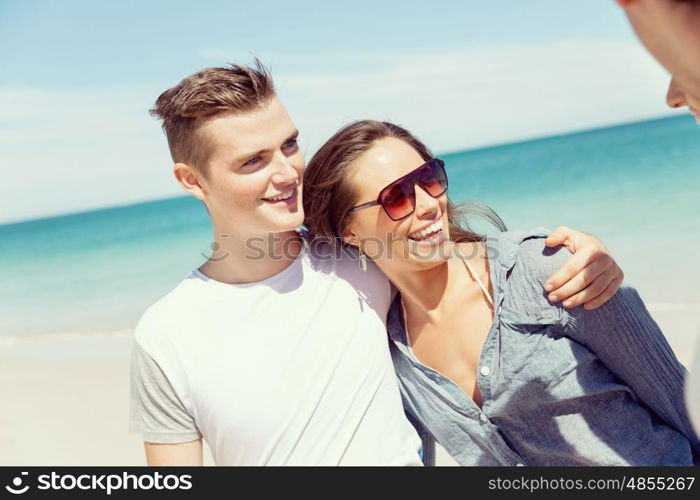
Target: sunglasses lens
[432, 178]
[398, 199]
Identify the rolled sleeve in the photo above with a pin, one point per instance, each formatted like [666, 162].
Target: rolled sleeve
[630, 343]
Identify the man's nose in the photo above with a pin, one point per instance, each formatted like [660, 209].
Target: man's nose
[286, 173]
[675, 97]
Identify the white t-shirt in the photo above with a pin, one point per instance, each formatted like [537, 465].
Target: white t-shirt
[291, 370]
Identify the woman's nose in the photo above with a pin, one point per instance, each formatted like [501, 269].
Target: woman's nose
[675, 97]
[425, 204]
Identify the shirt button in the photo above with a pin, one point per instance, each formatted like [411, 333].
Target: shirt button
[483, 418]
[485, 371]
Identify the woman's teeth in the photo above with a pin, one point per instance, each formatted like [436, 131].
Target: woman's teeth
[280, 197]
[424, 233]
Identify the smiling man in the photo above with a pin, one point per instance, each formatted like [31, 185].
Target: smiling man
[281, 356]
[266, 358]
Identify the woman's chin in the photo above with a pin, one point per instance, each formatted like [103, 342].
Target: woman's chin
[431, 251]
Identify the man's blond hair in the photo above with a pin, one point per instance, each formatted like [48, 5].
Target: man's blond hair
[209, 92]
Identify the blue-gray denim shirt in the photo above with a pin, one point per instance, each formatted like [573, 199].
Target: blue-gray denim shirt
[559, 387]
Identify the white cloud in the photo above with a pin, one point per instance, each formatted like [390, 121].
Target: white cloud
[66, 151]
[473, 97]
[74, 150]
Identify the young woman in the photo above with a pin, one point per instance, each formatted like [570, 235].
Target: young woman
[487, 365]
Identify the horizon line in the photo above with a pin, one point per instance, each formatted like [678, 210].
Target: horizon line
[481, 147]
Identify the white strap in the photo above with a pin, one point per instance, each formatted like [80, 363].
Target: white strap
[476, 277]
[470, 270]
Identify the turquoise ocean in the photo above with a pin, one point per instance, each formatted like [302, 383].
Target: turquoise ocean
[635, 186]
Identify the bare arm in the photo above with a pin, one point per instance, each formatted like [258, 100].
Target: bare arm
[179, 454]
[168, 430]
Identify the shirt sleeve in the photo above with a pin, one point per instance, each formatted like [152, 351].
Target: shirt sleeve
[624, 337]
[627, 340]
[156, 412]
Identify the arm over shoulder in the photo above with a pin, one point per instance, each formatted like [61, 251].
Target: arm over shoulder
[529, 263]
[541, 261]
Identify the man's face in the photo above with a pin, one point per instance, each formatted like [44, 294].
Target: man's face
[670, 30]
[677, 98]
[255, 172]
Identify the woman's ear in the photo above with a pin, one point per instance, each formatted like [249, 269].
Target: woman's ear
[189, 180]
[350, 237]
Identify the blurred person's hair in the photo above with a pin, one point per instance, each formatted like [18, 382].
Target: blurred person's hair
[209, 92]
[329, 193]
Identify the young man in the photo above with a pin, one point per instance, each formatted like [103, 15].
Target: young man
[670, 30]
[275, 349]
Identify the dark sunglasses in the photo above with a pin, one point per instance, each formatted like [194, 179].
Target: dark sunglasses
[398, 199]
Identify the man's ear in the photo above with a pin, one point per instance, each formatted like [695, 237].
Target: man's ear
[189, 180]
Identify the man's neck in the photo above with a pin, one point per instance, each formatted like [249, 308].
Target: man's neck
[251, 260]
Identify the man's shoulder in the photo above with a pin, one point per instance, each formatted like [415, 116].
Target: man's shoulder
[171, 312]
[343, 261]
[343, 265]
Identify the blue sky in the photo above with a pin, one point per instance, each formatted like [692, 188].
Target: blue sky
[76, 43]
[77, 78]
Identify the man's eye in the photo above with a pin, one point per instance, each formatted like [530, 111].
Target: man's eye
[290, 143]
[252, 161]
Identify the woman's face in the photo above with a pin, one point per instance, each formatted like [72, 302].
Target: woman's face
[420, 240]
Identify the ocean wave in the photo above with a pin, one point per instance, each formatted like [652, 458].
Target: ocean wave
[15, 340]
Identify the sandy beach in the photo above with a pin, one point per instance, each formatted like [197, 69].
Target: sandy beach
[67, 403]
[66, 400]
